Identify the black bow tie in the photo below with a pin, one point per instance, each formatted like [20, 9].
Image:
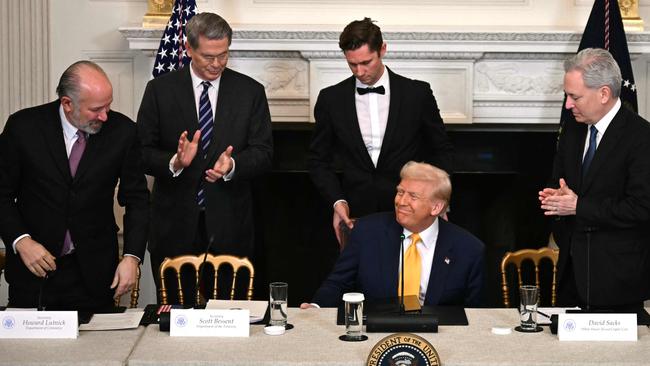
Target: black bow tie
[378, 90]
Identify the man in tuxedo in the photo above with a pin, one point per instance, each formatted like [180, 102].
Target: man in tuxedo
[59, 166]
[373, 122]
[206, 132]
[443, 262]
[602, 200]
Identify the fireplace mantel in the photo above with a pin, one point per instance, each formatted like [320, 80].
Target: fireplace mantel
[478, 75]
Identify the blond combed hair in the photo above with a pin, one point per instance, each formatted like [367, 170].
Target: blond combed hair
[438, 178]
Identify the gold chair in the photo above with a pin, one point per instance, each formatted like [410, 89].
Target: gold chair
[135, 292]
[195, 261]
[534, 255]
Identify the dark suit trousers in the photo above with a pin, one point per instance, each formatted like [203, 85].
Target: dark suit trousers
[568, 294]
[63, 289]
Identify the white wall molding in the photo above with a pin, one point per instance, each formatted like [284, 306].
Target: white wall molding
[24, 60]
[479, 76]
[119, 66]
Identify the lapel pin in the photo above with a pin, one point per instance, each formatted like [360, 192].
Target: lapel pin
[447, 260]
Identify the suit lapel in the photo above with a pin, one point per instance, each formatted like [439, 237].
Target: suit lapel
[443, 259]
[351, 124]
[396, 93]
[606, 147]
[184, 94]
[222, 118]
[389, 257]
[53, 135]
[574, 173]
[93, 148]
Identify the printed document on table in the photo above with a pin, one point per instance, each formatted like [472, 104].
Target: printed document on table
[126, 320]
[257, 308]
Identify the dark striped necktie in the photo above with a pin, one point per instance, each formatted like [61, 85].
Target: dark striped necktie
[206, 125]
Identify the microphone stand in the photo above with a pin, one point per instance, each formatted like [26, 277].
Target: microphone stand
[588, 231]
[401, 321]
[402, 310]
[200, 299]
[41, 307]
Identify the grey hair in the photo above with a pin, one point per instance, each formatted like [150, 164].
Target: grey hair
[69, 83]
[438, 178]
[598, 69]
[208, 25]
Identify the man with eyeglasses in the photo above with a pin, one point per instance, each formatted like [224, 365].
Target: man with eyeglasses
[206, 131]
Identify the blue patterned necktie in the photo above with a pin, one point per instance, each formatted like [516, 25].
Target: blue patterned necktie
[591, 150]
[206, 126]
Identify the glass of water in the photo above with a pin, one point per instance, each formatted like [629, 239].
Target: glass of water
[529, 296]
[278, 292]
[353, 316]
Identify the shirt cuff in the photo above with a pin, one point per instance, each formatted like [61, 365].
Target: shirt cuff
[228, 176]
[337, 201]
[134, 256]
[171, 168]
[315, 305]
[13, 245]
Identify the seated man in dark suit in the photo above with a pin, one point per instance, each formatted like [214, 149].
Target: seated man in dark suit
[444, 268]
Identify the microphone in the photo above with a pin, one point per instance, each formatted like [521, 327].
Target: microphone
[401, 321]
[401, 300]
[41, 307]
[200, 300]
[588, 231]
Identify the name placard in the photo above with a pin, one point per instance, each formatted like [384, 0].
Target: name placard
[38, 324]
[597, 327]
[209, 323]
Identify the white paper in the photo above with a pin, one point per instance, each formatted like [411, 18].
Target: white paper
[127, 320]
[38, 324]
[256, 308]
[209, 323]
[597, 327]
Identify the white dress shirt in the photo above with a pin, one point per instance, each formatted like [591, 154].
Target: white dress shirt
[372, 113]
[601, 126]
[213, 94]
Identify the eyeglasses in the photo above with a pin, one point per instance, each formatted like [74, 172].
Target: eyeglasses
[221, 57]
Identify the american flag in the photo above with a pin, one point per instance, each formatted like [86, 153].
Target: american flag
[171, 53]
[605, 29]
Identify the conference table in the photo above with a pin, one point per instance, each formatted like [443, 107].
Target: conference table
[314, 341]
[105, 348]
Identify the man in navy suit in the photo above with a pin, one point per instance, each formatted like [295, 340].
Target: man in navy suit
[450, 260]
[602, 200]
[59, 166]
[374, 122]
[206, 133]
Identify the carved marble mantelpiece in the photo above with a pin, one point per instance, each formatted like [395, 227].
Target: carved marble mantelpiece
[477, 76]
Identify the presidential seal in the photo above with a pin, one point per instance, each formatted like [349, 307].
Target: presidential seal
[403, 349]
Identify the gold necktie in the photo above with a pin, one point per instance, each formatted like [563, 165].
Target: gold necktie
[412, 269]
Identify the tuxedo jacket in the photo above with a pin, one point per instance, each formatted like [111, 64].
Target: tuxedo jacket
[370, 264]
[607, 242]
[414, 131]
[242, 120]
[39, 197]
